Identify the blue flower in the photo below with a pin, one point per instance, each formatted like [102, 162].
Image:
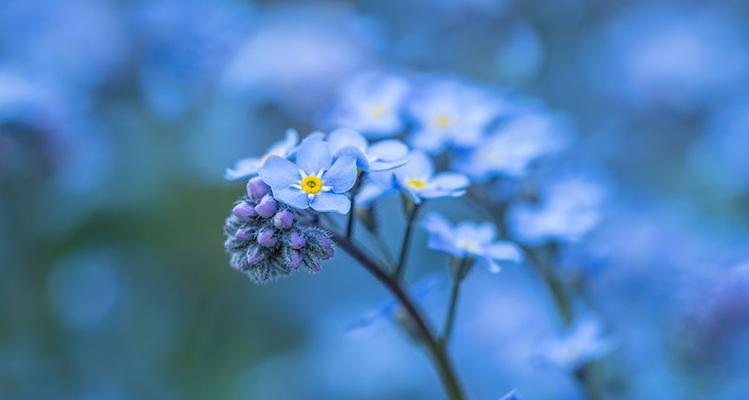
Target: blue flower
[513, 146]
[469, 240]
[449, 113]
[569, 209]
[416, 179]
[381, 156]
[584, 343]
[372, 104]
[315, 180]
[248, 167]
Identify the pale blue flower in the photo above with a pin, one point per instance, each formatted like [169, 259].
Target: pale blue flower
[417, 180]
[584, 343]
[569, 209]
[513, 146]
[469, 240]
[248, 167]
[372, 104]
[450, 113]
[315, 181]
[380, 156]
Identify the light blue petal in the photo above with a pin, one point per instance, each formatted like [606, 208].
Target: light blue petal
[331, 202]
[287, 146]
[389, 150]
[342, 175]
[369, 192]
[293, 197]
[483, 233]
[243, 168]
[313, 155]
[419, 166]
[279, 172]
[505, 251]
[429, 141]
[512, 395]
[451, 181]
[386, 165]
[341, 138]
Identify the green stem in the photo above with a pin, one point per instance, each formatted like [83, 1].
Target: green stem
[412, 212]
[438, 353]
[451, 309]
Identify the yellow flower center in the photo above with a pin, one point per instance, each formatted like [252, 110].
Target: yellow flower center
[378, 111]
[469, 245]
[416, 183]
[311, 184]
[442, 120]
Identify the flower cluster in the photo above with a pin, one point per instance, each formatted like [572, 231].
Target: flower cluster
[267, 240]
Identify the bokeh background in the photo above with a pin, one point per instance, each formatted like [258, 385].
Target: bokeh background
[118, 118]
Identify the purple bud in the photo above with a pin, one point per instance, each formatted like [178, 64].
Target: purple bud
[296, 241]
[284, 219]
[256, 188]
[295, 259]
[267, 207]
[266, 238]
[255, 255]
[244, 211]
[243, 235]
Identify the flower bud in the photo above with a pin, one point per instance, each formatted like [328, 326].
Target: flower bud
[283, 219]
[266, 238]
[255, 255]
[256, 188]
[243, 235]
[267, 207]
[244, 211]
[296, 241]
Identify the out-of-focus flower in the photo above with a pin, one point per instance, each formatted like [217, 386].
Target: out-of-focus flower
[568, 210]
[417, 180]
[451, 113]
[514, 145]
[520, 56]
[297, 54]
[380, 156]
[248, 167]
[266, 240]
[469, 240]
[511, 395]
[584, 343]
[315, 181]
[372, 104]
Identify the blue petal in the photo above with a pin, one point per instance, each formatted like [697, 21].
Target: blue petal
[369, 192]
[451, 181]
[341, 138]
[293, 197]
[386, 165]
[313, 155]
[389, 150]
[243, 168]
[429, 141]
[342, 175]
[483, 233]
[504, 251]
[331, 202]
[419, 166]
[287, 146]
[279, 173]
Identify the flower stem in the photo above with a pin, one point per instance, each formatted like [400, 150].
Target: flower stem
[412, 211]
[438, 353]
[352, 212]
[451, 309]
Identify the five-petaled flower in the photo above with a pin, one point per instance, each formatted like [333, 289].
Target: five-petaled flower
[417, 180]
[469, 240]
[380, 156]
[316, 181]
[249, 167]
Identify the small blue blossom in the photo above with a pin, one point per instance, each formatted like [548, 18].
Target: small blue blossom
[450, 113]
[569, 209]
[380, 156]
[248, 167]
[316, 181]
[372, 104]
[514, 145]
[584, 343]
[469, 240]
[417, 180]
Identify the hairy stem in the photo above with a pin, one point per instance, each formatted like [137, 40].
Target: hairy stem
[438, 353]
[352, 213]
[412, 212]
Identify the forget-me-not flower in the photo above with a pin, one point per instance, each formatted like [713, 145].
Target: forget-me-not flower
[380, 156]
[248, 167]
[316, 181]
[469, 240]
[372, 104]
[417, 180]
[569, 209]
[450, 113]
[514, 145]
[584, 343]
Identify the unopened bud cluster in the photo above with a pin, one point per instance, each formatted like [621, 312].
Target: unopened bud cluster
[266, 239]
